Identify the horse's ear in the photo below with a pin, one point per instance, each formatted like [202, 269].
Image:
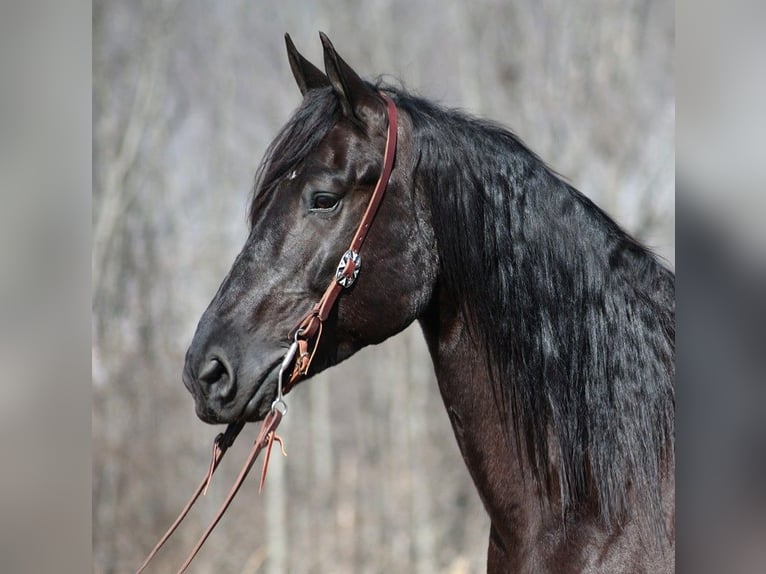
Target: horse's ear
[307, 75]
[356, 97]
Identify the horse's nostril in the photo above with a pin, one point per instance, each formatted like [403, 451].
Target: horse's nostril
[212, 372]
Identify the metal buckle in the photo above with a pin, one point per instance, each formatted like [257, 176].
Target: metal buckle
[279, 403]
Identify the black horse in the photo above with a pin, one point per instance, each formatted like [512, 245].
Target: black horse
[551, 330]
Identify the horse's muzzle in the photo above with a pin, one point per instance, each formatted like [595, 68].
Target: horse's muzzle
[211, 379]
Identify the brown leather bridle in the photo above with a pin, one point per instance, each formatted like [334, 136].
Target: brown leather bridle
[305, 337]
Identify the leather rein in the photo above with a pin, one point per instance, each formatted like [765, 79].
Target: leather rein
[305, 341]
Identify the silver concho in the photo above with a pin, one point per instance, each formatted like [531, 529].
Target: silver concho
[347, 279]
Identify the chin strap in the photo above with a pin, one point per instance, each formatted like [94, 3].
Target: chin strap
[306, 337]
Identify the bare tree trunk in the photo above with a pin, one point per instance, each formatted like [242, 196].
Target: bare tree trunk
[322, 469]
[276, 516]
[468, 71]
[399, 466]
[346, 516]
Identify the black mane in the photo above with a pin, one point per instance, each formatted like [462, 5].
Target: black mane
[577, 317]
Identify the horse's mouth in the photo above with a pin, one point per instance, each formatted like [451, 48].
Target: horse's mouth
[259, 404]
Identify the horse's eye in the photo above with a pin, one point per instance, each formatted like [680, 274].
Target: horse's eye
[324, 201]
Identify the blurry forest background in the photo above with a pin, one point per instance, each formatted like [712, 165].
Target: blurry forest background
[186, 97]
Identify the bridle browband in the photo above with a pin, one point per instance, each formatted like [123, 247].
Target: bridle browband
[305, 341]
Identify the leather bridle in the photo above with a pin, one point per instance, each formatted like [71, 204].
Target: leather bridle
[305, 341]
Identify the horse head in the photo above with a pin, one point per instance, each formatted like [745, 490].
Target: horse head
[311, 192]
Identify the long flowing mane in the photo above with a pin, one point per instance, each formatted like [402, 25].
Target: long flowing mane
[575, 316]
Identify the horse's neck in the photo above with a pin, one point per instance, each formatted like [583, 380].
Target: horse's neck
[481, 431]
[520, 521]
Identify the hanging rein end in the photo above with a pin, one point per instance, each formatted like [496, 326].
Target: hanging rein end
[221, 444]
[217, 453]
[271, 437]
